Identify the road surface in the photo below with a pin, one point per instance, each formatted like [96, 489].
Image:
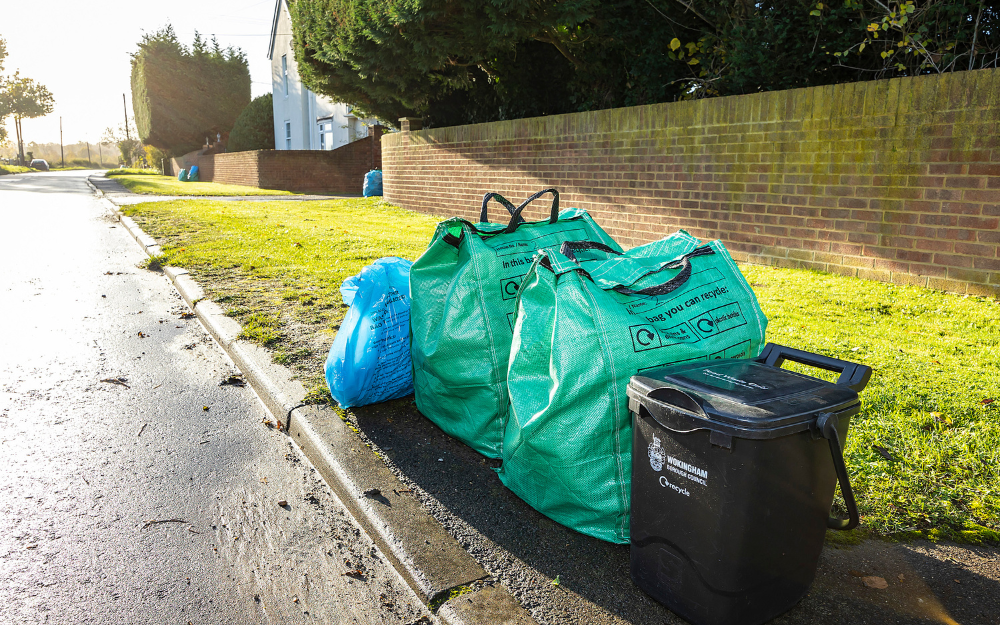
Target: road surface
[136, 489]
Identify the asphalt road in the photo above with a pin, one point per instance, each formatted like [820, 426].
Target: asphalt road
[136, 489]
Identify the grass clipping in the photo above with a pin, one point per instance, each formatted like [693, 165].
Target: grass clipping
[923, 455]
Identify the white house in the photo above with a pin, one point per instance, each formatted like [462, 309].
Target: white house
[302, 119]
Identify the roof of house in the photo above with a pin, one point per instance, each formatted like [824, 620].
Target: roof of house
[274, 28]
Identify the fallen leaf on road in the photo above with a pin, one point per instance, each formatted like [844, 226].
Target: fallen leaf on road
[234, 380]
[204, 408]
[856, 573]
[187, 315]
[357, 574]
[282, 503]
[267, 422]
[141, 335]
[118, 381]
[875, 582]
[555, 582]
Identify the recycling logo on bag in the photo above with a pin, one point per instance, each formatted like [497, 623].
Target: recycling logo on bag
[644, 337]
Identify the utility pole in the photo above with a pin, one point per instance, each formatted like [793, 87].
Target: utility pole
[62, 155]
[125, 108]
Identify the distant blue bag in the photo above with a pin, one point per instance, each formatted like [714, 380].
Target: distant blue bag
[373, 183]
[369, 361]
[183, 175]
[192, 175]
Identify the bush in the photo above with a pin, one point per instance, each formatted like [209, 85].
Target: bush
[254, 128]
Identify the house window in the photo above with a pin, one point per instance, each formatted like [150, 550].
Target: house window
[325, 134]
[288, 135]
[284, 72]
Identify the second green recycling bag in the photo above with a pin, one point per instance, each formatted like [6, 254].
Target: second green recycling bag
[462, 292]
[582, 329]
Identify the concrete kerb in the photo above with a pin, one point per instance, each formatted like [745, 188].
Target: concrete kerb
[426, 557]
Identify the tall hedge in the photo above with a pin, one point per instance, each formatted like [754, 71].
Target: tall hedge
[254, 128]
[469, 61]
[182, 96]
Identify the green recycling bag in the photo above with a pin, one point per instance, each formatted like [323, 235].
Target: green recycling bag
[583, 327]
[462, 292]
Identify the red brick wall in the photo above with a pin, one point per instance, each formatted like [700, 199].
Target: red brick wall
[895, 180]
[340, 171]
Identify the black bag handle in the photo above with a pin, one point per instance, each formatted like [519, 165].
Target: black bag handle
[501, 200]
[852, 375]
[569, 247]
[674, 283]
[515, 218]
[827, 424]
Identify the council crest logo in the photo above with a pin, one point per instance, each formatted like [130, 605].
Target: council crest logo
[656, 455]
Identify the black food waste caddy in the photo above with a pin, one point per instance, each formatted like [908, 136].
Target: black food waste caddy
[734, 468]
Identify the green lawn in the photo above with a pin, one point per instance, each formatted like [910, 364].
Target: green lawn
[924, 454]
[154, 184]
[14, 169]
[932, 406]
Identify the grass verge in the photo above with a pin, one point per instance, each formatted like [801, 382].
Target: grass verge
[14, 169]
[277, 266]
[127, 171]
[154, 184]
[924, 454]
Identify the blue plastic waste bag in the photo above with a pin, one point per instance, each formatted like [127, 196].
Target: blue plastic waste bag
[369, 361]
[183, 175]
[193, 174]
[373, 183]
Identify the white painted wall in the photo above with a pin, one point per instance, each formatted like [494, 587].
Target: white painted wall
[305, 113]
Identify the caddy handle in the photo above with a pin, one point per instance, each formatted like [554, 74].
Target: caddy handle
[827, 424]
[852, 375]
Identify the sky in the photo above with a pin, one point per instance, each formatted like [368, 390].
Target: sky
[80, 51]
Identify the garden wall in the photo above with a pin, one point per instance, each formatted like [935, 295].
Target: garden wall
[340, 171]
[895, 180]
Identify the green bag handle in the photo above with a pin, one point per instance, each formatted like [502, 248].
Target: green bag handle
[515, 219]
[684, 262]
[499, 198]
[569, 247]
